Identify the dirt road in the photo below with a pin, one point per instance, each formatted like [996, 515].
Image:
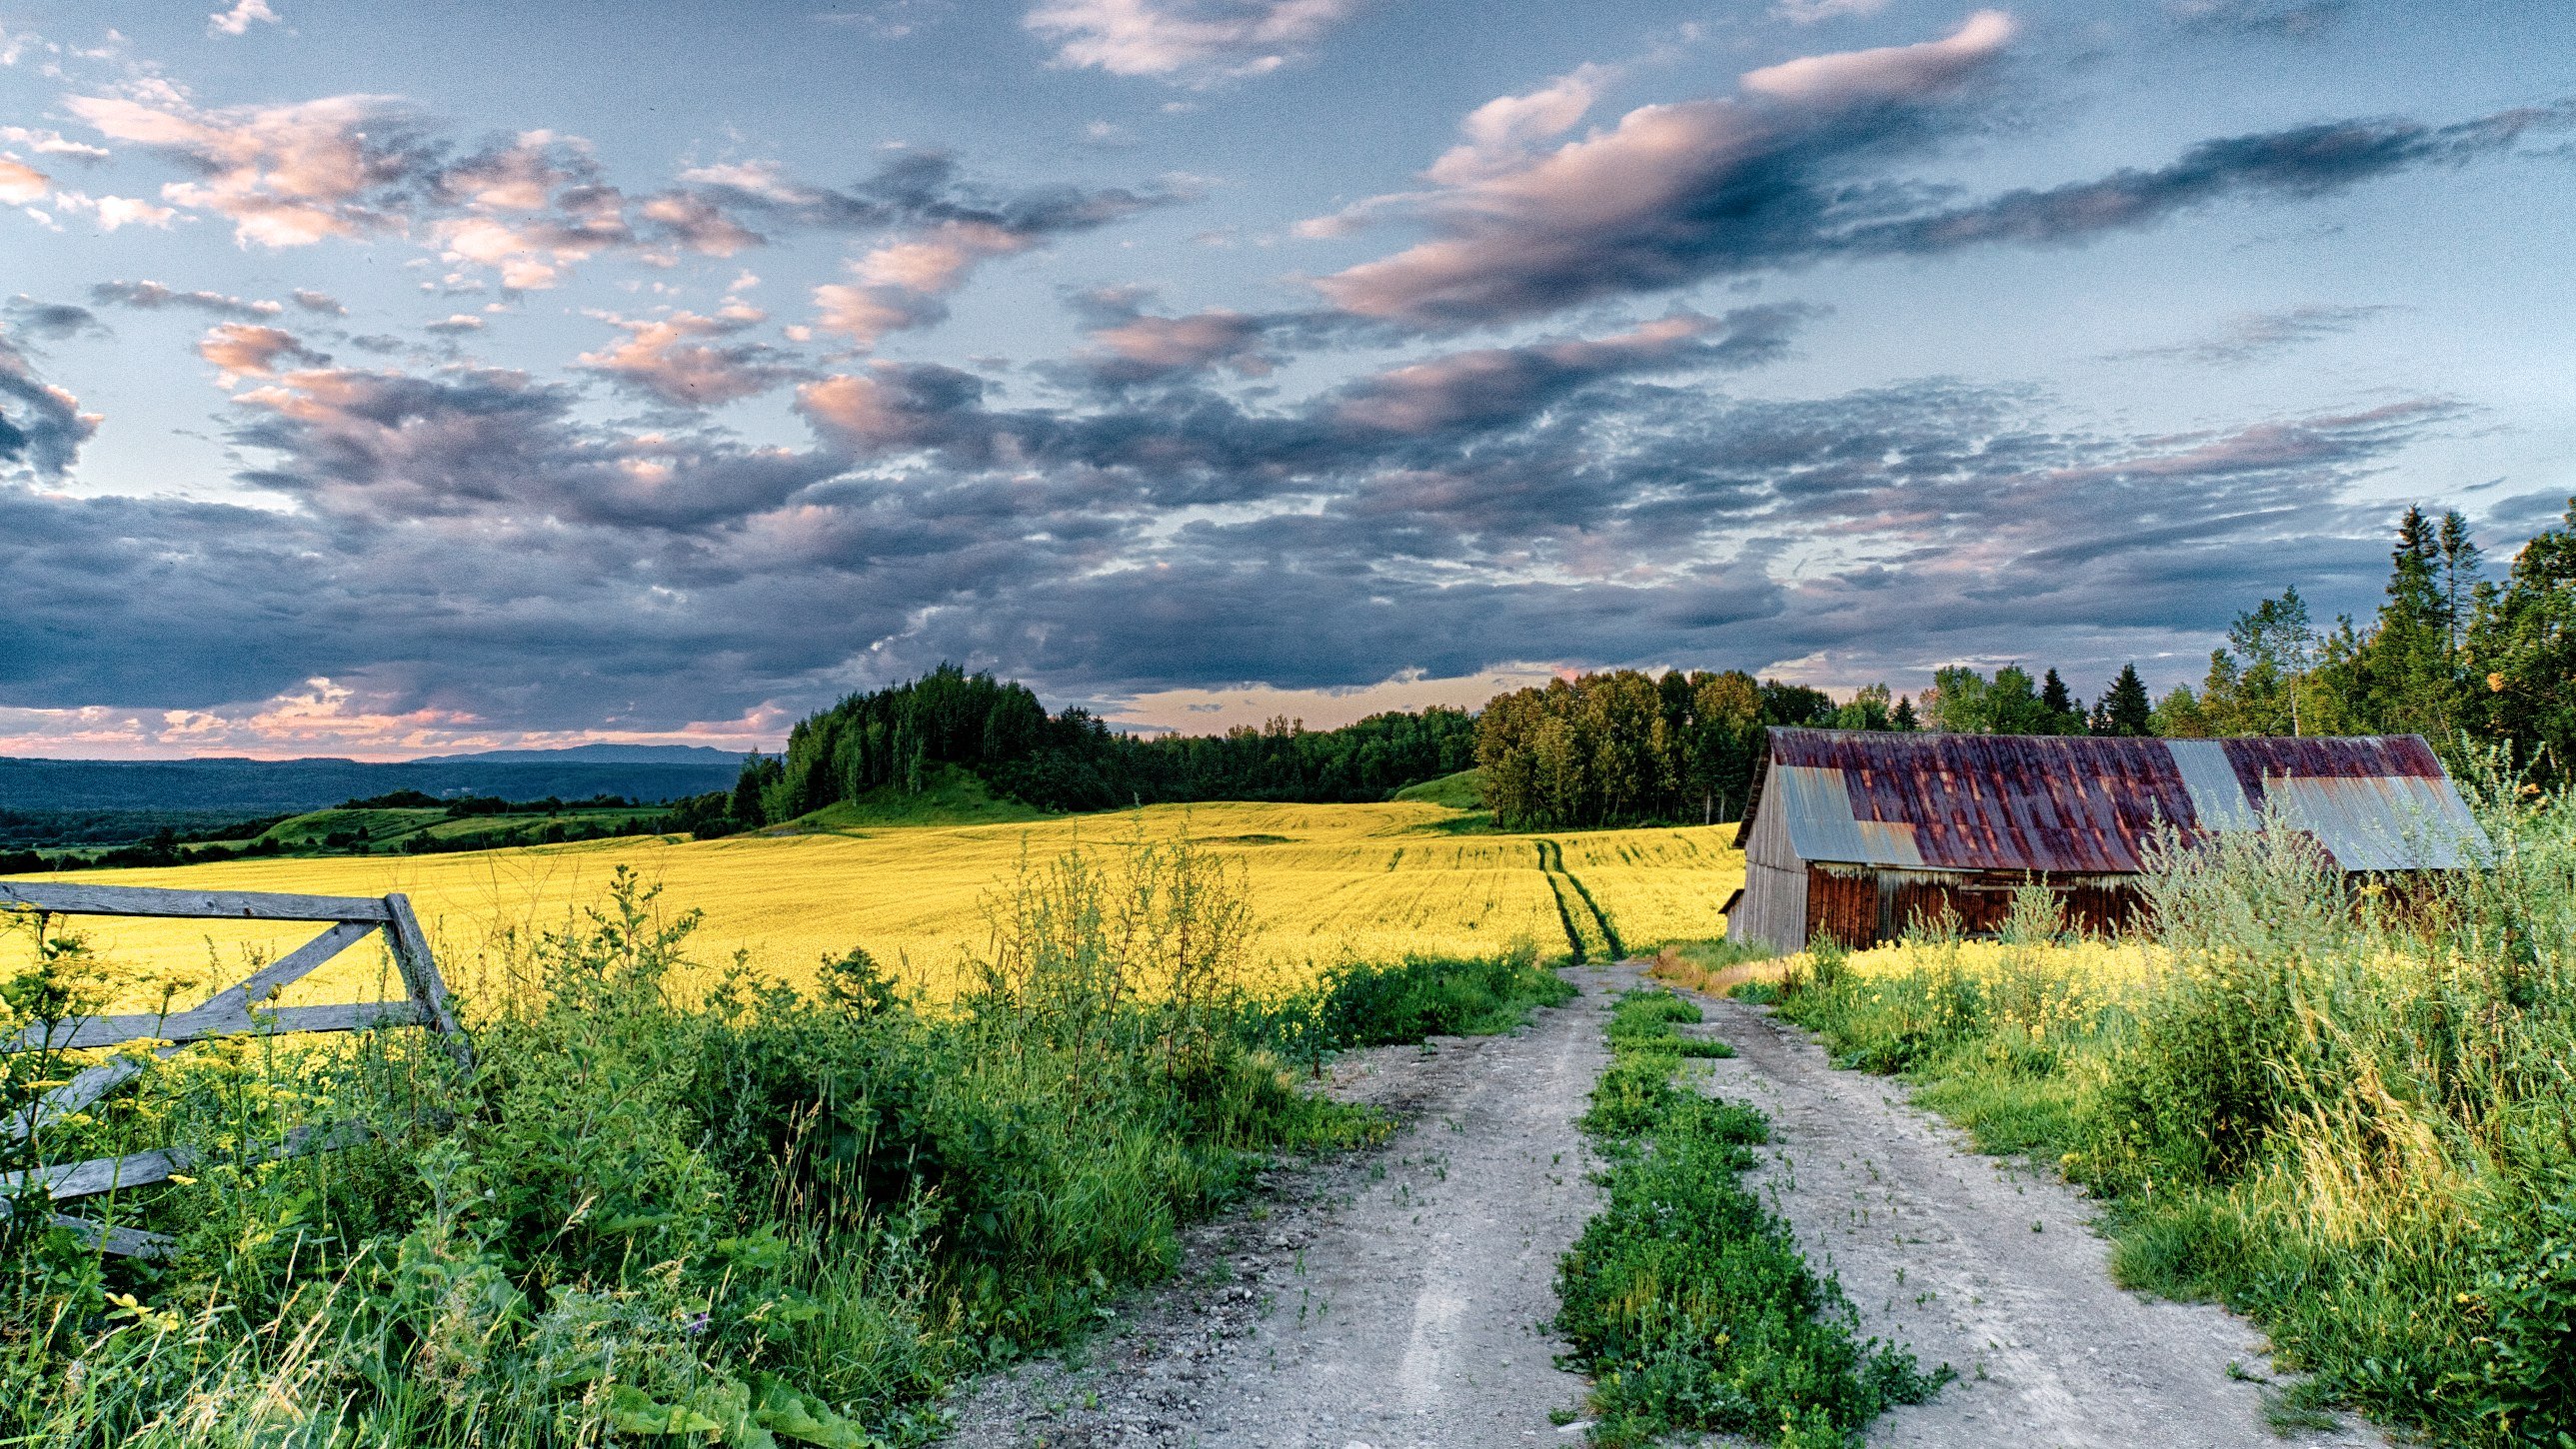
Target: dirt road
[1985, 1265]
[1393, 1301]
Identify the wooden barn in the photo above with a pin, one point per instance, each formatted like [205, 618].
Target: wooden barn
[1851, 834]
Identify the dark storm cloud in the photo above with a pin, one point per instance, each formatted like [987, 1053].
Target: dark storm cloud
[53, 320]
[41, 425]
[2299, 164]
[467, 542]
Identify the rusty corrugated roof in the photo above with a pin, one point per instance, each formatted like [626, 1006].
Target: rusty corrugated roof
[2082, 805]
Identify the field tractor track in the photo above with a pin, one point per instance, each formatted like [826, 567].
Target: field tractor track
[1587, 927]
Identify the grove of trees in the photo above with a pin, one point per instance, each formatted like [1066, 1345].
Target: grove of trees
[897, 738]
[1625, 747]
[2463, 660]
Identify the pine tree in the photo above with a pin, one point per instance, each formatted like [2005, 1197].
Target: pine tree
[2065, 716]
[2460, 564]
[1902, 718]
[2125, 709]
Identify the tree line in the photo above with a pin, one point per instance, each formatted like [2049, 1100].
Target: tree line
[899, 738]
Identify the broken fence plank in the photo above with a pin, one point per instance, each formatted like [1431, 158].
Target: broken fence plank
[102, 900]
[228, 1010]
[420, 973]
[125, 1242]
[142, 1169]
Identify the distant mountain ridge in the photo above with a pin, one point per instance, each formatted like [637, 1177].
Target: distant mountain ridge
[40, 799]
[595, 755]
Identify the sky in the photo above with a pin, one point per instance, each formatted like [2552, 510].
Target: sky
[391, 380]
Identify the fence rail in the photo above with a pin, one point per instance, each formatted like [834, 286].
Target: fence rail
[234, 1009]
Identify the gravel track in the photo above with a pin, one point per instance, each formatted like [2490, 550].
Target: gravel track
[1988, 1265]
[1394, 1299]
[1389, 1299]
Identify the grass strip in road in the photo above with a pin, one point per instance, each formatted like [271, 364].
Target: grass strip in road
[1687, 1300]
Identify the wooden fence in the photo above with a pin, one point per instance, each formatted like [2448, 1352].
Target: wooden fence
[235, 1009]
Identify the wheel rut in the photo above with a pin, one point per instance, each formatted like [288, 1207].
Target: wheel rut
[1392, 1299]
[1989, 1265]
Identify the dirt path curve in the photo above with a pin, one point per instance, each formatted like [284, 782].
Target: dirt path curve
[1987, 1265]
[1389, 1301]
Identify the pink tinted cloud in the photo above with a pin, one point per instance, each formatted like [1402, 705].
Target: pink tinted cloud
[903, 284]
[1670, 194]
[243, 349]
[22, 184]
[284, 175]
[677, 358]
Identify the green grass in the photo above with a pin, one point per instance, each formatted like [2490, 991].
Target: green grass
[2347, 1121]
[1464, 790]
[1687, 1300]
[765, 1220]
[382, 830]
[950, 795]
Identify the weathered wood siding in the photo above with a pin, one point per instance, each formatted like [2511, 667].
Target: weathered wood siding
[1862, 905]
[1773, 912]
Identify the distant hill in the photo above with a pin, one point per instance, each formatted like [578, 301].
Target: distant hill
[64, 802]
[596, 755]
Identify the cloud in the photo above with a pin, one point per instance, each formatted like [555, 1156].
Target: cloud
[454, 324]
[22, 184]
[1892, 73]
[529, 209]
[2299, 164]
[243, 349]
[1128, 347]
[471, 543]
[2256, 336]
[149, 296]
[951, 229]
[1500, 132]
[2288, 19]
[53, 320]
[1810, 12]
[41, 425]
[113, 212]
[1507, 383]
[322, 302]
[1799, 168]
[285, 175]
[1671, 194]
[673, 359]
[497, 446]
[52, 143]
[1192, 42]
[239, 19]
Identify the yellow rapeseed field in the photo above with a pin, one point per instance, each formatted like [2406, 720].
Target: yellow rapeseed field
[1329, 882]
